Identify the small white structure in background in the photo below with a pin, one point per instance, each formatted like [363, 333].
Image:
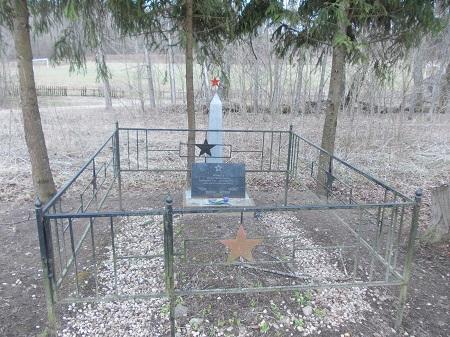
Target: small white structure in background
[43, 60]
[215, 122]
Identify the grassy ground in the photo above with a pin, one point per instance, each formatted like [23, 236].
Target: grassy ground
[124, 70]
[121, 74]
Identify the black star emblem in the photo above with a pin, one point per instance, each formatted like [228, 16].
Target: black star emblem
[205, 148]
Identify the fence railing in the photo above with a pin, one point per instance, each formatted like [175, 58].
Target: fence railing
[71, 224]
[57, 90]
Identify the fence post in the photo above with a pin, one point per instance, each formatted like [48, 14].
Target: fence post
[117, 163]
[409, 259]
[288, 167]
[46, 268]
[168, 261]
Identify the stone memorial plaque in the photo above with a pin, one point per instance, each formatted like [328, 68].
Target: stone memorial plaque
[216, 180]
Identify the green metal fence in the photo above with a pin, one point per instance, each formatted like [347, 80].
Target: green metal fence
[85, 214]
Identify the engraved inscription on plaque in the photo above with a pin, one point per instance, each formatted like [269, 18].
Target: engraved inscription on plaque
[217, 180]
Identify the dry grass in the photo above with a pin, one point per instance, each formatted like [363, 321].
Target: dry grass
[407, 151]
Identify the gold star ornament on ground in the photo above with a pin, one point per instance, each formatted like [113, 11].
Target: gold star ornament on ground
[241, 246]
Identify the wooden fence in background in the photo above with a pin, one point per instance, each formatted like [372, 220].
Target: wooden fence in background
[57, 90]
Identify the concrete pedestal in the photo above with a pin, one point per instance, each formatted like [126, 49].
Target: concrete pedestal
[188, 201]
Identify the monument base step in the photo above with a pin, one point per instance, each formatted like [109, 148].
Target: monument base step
[188, 201]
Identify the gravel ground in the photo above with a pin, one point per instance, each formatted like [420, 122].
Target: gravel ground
[125, 318]
[298, 313]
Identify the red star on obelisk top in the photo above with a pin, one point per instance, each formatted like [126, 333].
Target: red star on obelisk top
[215, 82]
[241, 246]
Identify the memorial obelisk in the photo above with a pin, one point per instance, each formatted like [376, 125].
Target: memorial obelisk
[215, 122]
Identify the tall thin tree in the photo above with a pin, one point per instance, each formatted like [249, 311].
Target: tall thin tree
[190, 84]
[148, 63]
[34, 135]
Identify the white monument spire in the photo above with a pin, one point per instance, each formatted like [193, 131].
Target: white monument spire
[215, 122]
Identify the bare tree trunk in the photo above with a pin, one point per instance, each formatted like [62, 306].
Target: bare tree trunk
[139, 70]
[441, 8]
[173, 90]
[335, 95]
[310, 74]
[190, 87]
[275, 86]
[351, 99]
[226, 80]
[441, 87]
[439, 229]
[148, 61]
[140, 87]
[255, 85]
[34, 135]
[205, 84]
[436, 87]
[417, 101]
[298, 85]
[405, 87]
[270, 79]
[243, 90]
[282, 84]
[103, 72]
[3, 75]
[323, 67]
[2, 72]
[444, 91]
